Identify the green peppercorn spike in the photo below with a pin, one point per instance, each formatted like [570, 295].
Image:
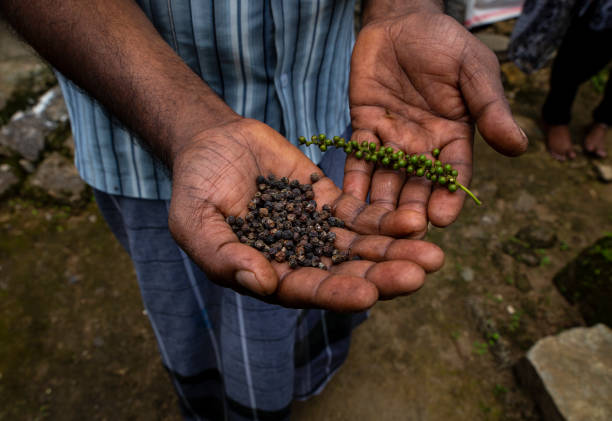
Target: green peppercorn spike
[415, 164]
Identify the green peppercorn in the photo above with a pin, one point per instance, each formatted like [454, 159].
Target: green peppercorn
[428, 164]
[448, 168]
[359, 154]
[385, 161]
[452, 188]
[373, 157]
[442, 180]
[322, 136]
[422, 158]
[365, 144]
[434, 177]
[372, 146]
[414, 159]
[454, 173]
[348, 149]
[323, 147]
[302, 140]
[420, 172]
[336, 138]
[438, 164]
[428, 175]
[354, 144]
[368, 156]
[395, 166]
[389, 150]
[402, 163]
[410, 169]
[439, 170]
[340, 143]
[435, 152]
[394, 156]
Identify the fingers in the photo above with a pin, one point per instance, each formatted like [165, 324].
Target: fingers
[483, 92]
[391, 279]
[357, 172]
[379, 248]
[444, 206]
[310, 287]
[369, 219]
[204, 235]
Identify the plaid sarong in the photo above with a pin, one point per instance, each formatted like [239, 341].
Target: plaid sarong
[230, 357]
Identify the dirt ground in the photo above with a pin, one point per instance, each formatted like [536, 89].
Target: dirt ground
[75, 343]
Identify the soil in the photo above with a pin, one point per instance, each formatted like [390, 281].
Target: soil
[75, 343]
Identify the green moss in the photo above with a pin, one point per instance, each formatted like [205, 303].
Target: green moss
[587, 282]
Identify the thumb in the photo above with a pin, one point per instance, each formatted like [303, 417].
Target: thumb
[203, 234]
[482, 89]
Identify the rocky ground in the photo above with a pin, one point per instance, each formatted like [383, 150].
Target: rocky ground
[75, 343]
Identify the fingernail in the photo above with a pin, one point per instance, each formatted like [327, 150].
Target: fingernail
[522, 132]
[247, 279]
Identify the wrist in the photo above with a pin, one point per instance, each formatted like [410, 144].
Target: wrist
[193, 130]
[377, 10]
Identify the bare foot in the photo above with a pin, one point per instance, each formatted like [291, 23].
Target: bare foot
[559, 142]
[595, 141]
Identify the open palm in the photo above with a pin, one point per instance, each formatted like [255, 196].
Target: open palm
[214, 176]
[420, 82]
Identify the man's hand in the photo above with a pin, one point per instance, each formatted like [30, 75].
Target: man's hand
[418, 82]
[214, 177]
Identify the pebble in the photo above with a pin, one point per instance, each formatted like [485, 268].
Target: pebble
[467, 274]
[525, 202]
[510, 309]
[604, 172]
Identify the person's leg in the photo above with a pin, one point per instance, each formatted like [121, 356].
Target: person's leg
[595, 140]
[574, 63]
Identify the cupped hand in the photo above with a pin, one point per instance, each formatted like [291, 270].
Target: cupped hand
[214, 177]
[419, 82]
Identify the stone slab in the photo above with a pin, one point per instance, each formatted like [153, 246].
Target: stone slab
[570, 374]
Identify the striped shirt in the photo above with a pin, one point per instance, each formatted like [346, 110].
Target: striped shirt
[283, 62]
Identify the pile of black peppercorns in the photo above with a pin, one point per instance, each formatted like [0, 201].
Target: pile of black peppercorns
[284, 224]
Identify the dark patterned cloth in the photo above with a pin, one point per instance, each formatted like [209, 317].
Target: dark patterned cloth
[543, 24]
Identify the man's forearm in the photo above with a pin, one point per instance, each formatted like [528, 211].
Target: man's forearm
[381, 9]
[110, 49]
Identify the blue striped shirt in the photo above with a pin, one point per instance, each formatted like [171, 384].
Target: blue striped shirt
[282, 62]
